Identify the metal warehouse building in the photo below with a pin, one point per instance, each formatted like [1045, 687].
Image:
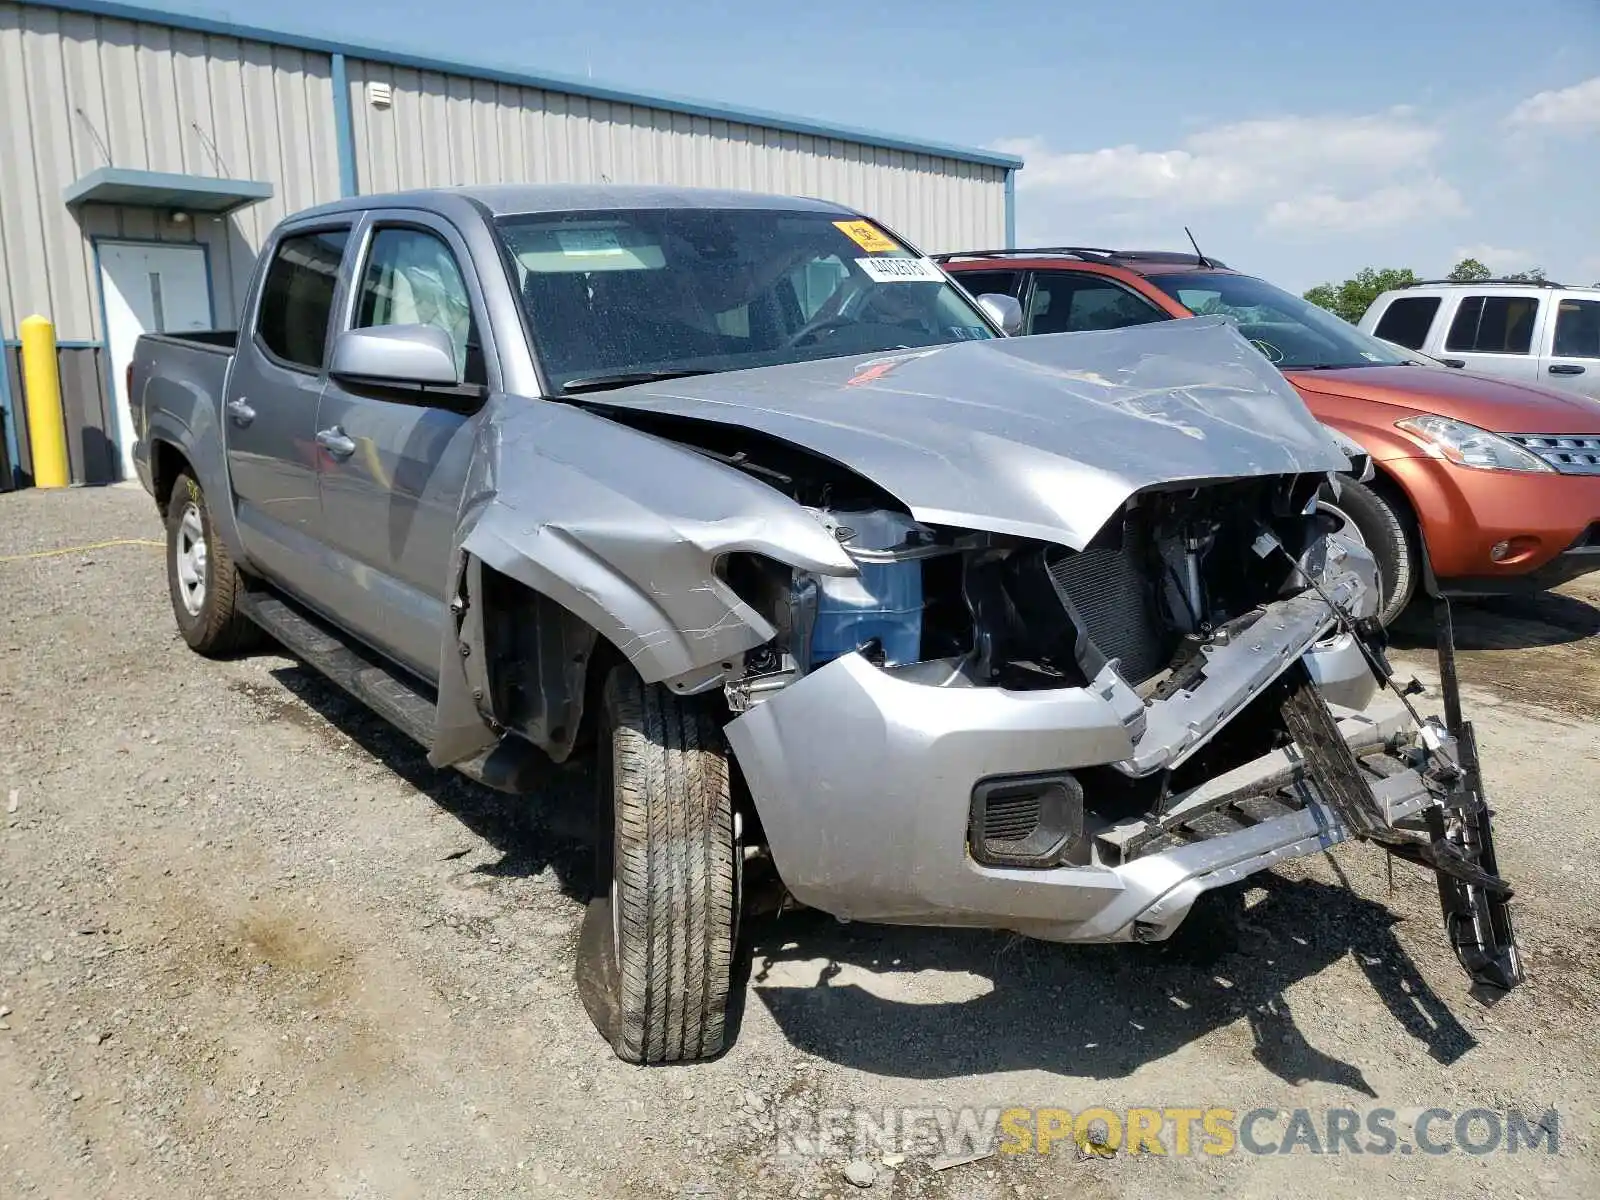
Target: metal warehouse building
[145, 155]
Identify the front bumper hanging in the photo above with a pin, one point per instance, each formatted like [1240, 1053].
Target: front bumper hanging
[1456, 839]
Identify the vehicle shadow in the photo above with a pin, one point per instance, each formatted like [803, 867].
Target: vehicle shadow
[1502, 622]
[551, 830]
[1094, 1011]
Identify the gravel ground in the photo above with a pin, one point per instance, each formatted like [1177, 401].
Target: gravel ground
[250, 944]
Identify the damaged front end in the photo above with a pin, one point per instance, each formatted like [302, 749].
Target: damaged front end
[1045, 634]
[1076, 744]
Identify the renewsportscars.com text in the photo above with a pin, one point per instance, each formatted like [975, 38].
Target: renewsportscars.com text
[1173, 1130]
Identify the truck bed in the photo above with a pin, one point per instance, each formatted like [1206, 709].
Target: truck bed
[215, 341]
[175, 386]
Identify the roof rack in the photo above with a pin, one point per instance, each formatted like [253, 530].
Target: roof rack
[1547, 283]
[1088, 254]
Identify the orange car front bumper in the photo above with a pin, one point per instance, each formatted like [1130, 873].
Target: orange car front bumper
[1549, 524]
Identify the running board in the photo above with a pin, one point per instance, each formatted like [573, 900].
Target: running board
[399, 698]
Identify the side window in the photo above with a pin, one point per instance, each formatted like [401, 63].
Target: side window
[297, 296]
[1578, 329]
[412, 278]
[1065, 303]
[1407, 320]
[1494, 325]
[982, 283]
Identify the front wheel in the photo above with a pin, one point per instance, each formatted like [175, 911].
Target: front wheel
[656, 952]
[1387, 531]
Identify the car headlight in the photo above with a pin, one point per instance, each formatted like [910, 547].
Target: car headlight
[1468, 446]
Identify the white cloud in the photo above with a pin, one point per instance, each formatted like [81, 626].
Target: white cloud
[1398, 204]
[1568, 107]
[1329, 172]
[1499, 259]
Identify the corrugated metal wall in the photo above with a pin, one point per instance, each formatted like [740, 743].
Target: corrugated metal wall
[443, 130]
[91, 454]
[79, 92]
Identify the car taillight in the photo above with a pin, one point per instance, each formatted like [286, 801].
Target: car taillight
[127, 382]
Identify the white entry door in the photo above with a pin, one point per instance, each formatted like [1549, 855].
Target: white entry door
[149, 287]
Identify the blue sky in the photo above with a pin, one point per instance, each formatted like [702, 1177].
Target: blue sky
[1300, 141]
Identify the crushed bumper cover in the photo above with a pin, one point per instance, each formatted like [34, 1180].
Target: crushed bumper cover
[875, 828]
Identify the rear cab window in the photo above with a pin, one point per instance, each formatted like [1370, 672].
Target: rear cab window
[292, 317]
[1407, 320]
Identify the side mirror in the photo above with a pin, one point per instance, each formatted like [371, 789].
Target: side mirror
[400, 355]
[1004, 311]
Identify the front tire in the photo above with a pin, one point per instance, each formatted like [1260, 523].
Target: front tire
[1387, 531]
[656, 952]
[202, 580]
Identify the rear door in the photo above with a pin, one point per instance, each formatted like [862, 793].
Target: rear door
[270, 410]
[1495, 331]
[1571, 357]
[1406, 320]
[393, 463]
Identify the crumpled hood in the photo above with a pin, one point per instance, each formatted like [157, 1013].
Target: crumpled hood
[1042, 437]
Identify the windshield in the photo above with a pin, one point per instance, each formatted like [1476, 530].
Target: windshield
[1294, 333]
[617, 296]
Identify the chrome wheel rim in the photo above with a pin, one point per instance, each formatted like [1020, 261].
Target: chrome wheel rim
[189, 557]
[1350, 530]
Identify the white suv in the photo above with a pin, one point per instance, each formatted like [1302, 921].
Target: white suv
[1531, 332]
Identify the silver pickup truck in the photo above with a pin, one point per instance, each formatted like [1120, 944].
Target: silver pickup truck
[746, 499]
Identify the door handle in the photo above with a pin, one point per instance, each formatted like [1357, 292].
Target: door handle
[336, 442]
[1454, 362]
[1565, 369]
[241, 412]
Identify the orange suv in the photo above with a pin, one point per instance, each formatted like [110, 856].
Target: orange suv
[1482, 485]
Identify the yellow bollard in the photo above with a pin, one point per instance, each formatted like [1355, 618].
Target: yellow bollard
[41, 389]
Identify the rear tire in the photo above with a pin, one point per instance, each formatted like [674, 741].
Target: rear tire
[1387, 532]
[656, 952]
[204, 584]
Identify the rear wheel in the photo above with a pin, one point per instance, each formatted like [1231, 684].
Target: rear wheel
[656, 953]
[204, 584]
[1386, 530]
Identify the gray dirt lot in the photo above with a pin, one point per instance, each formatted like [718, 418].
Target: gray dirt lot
[250, 945]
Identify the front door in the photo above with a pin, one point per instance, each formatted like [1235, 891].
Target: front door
[1572, 357]
[394, 464]
[148, 287]
[1495, 332]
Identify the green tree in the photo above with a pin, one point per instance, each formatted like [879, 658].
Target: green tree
[1469, 270]
[1355, 295]
[1531, 275]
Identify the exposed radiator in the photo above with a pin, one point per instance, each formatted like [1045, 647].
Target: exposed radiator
[1105, 590]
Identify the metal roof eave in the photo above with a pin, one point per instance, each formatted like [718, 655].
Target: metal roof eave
[160, 189]
[500, 74]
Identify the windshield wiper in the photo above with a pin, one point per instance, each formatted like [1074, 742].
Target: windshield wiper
[600, 383]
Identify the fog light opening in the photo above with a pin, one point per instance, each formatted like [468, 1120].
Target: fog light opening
[1512, 550]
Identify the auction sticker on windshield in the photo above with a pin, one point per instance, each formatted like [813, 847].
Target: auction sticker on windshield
[866, 235]
[900, 270]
